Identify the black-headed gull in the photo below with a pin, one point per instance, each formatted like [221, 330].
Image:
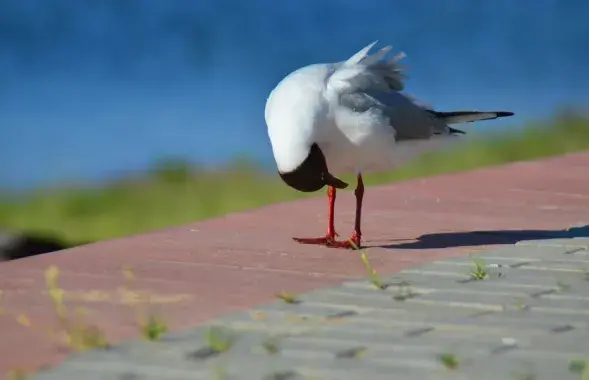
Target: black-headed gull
[351, 116]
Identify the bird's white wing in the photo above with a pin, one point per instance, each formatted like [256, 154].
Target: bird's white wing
[365, 83]
[367, 72]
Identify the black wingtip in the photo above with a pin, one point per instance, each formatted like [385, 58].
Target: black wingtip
[455, 131]
[504, 114]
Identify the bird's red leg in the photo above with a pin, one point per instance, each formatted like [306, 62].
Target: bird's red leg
[357, 235]
[329, 238]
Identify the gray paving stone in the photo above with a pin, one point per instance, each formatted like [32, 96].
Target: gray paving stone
[502, 268]
[121, 371]
[578, 242]
[509, 278]
[532, 251]
[568, 344]
[529, 317]
[537, 298]
[509, 368]
[499, 264]
[360, 370]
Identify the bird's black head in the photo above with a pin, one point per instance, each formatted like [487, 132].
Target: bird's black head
[312, 174]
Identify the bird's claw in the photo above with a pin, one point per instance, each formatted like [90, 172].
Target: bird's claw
[329, 241]
[325, 240]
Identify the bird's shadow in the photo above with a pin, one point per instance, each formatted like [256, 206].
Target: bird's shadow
[492, 237]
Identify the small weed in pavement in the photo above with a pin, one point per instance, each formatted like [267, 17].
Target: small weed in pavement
[580, 367]
[288, 297]
[449, 361]
[479, 271]
[218, 340]
[270, 346]
[374, 277]
[404, 291]
[152, 327]
[79, 336]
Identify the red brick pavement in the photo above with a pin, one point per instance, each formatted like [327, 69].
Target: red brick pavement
[201, 270]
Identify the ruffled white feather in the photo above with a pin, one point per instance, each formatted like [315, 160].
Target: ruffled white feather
[368, 72]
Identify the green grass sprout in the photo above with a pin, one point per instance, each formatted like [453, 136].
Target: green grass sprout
[219, 339]
[372, 274]
[449, 361]
[288, 297]
[479, 271]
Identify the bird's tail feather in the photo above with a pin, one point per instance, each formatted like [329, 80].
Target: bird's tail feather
[456, 117]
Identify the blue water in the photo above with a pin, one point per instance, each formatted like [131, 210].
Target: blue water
[90, 88]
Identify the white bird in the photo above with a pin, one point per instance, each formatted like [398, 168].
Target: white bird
[335, 118]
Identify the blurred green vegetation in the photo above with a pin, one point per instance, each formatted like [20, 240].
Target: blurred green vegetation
[174, 193]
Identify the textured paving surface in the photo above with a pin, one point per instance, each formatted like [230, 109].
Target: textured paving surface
[525, 317]
[199, 271]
